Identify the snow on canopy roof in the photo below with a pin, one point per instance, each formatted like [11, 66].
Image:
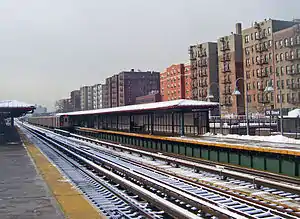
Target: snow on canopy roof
[294, 113]
[175, 104]
[14, 104]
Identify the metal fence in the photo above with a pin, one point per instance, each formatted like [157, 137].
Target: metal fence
[238, 125]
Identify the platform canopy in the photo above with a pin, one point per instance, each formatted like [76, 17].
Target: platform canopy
[14, 108]
[166, 105]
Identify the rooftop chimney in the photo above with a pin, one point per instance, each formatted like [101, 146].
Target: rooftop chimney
[238, 28]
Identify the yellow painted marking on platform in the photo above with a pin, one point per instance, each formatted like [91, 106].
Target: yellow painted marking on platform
[197, 142]
[72, 202]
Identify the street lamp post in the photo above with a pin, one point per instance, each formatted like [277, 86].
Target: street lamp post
[211, 96]
[236, 92]
[269, 89]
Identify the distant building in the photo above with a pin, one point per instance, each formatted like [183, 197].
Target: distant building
[152, 97]
[75, 100]
[175, 82]
[63, 105]
[86, 98]
[204, 70]
[265, 45]
[123, 89]
[187, 81]
[230, 52]
[97, 96]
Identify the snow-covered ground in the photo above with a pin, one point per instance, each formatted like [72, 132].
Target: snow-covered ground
[273, 138]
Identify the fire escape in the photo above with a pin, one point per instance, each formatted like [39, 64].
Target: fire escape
[262, 48]
[225, 59]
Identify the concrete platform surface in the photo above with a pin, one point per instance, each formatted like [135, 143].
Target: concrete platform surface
[23, 193]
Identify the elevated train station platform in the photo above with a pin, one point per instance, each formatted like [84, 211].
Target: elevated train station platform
[177, 127]
[268, 156]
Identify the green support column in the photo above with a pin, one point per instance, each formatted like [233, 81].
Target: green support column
[148, 125]
[152, 124]
[172, 123]
[130, 123]
[182, 123]
[117, 121]
[207, 121]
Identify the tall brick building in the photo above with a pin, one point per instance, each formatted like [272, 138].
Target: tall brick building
[260, 60]
[174, 82]
[230, 56]
[204, 70]
[123, 89]
[287, 67]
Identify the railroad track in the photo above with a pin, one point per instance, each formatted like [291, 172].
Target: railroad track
[259, 178]
[109, 198]
[187, 195]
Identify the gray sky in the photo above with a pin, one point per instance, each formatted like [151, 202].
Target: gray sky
[50, 47]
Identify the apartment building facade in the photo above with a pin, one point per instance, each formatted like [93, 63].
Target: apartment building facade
[172, 86]
[86, 97]
[204, 71]
[75, 100]
[97, 96]
[187, 81]
[231, 74]
[287, 67]
[123, 89]
[259, 62]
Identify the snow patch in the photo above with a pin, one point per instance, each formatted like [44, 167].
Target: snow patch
[148, 106]
[273, 138]
[294, 113]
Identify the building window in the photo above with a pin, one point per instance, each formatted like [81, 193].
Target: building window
[282, 84]
[281, 56]
[286, 56]
[256, 35]
[293, 69]
[280, 43]
[292, 54]
[298, 68]
[251, 36]
[270, 56]
[298, 53]
[276, 44]
[247, 39]
[269, 30]
[282, 70]
[288, 69]
[277, 71]
[286, 42]
[270, 43]
[277, 57]
[292, 41]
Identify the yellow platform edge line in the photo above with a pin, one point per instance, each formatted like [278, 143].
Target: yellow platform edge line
[197, 142]
[72, 202]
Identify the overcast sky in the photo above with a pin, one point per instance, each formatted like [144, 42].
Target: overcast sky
[50, 47]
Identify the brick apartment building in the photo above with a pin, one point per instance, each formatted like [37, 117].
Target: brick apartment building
[260, 60]
[123, 89]
[204, 70]
[188, 81]
[175, 82]
[230, 56]
[152, 97]
[287, 67]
